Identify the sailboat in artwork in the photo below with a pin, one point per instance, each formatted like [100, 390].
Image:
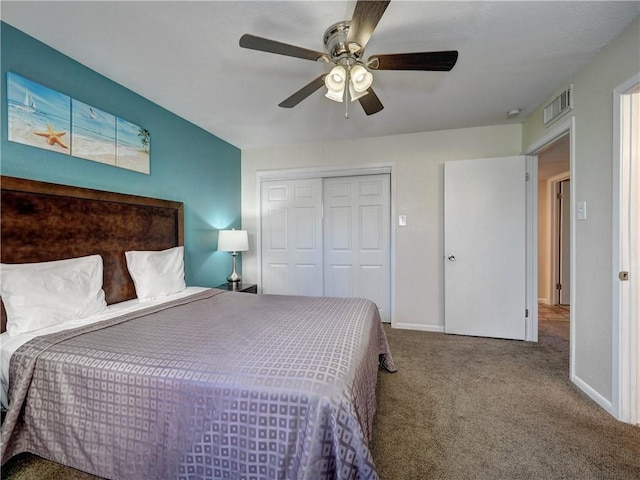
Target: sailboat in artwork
[29, 104]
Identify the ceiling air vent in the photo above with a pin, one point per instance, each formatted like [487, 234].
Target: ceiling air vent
[559, 106]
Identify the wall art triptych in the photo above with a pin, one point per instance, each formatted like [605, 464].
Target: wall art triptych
[44, 118]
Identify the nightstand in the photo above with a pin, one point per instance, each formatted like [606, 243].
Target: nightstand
[242, 287]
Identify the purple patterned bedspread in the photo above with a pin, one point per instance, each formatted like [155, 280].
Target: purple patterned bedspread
[218, 385]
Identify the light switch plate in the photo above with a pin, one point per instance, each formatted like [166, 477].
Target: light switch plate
[581, 213]
[402, 220]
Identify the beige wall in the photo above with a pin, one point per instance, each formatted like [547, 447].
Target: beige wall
[418, 161]
[592, 182]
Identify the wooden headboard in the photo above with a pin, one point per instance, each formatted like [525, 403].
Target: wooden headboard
[44, 221]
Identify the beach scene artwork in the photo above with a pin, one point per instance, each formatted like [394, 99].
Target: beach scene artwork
[93, 133]
[37, 115]
[44, 118]
[133, 146]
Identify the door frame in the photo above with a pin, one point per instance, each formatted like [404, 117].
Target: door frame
[561, 129]
[388, 168]
[626, 328]
[553, 187]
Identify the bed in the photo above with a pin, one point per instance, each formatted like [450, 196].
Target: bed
[202, 383]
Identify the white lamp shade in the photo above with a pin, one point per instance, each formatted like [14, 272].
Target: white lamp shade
[361, 78]
[233, 241]
[354, 95]
[335, 82]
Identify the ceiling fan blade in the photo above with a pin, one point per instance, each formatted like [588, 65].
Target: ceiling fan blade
[427, 61]
[366, 16]
[303, 93]
[371, 103]
[272, 46]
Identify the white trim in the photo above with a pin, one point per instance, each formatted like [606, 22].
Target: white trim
[544, 301]
[553, 187]
[593, 394]
[418, 326]
[531, 320]
[394, 226]
[624, 330]
[559, 178]
[326, 172]
[572, 257]
[259, 232]
[560, 130]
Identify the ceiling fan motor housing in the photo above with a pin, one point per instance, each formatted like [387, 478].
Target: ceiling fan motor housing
[335, 42]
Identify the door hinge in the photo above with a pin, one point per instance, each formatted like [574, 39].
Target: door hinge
[526, 313]
[558, 286]
[526, 177]
[559, 196]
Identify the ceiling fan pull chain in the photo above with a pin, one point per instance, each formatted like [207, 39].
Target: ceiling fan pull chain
[346, 95]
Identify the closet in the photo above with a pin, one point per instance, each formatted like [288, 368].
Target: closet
[327, 237]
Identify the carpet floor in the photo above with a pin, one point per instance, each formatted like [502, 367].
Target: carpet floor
[464, 408]
[480, 408]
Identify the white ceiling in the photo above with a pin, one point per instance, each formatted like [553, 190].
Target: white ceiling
[185, 57]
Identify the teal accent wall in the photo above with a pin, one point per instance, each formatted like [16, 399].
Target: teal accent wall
[188, 164]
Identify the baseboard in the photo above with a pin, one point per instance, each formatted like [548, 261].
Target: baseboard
[544, 301]
[595, 396]
[418, 326]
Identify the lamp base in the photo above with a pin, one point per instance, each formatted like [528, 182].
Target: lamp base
[234, 277]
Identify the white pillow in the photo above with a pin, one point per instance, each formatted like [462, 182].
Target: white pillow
[157, 273]
[38, 295]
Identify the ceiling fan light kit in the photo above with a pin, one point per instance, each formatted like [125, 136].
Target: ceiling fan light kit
[358, 78]
[344, 43]
[335, 83]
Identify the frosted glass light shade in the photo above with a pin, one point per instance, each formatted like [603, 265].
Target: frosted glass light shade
[335, 82]
[354, 95]
[233, 241]
[361, 78]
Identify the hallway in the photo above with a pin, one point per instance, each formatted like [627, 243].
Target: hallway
[553, 326]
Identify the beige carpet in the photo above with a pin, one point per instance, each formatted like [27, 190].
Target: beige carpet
[462, 408]
[477, 408]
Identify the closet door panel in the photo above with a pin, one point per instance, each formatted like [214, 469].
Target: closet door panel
[357, 239]
[291, 222]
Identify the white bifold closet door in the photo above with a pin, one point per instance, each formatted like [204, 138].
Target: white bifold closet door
[328, 237]
[291, 218]
[356, 239]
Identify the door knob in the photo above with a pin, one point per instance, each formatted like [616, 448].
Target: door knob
[452, 258]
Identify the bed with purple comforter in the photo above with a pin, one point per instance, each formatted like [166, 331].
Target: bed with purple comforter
[217, 385]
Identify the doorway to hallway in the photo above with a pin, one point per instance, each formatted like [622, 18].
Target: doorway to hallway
[554, 223]
[554, 241]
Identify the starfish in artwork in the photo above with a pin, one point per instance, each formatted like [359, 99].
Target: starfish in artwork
[53, 137]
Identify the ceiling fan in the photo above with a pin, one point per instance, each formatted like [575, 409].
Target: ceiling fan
[351, 77]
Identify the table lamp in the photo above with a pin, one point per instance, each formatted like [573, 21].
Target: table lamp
[233, 241]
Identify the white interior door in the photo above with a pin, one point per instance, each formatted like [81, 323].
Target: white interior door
[485, 247]
[627, 252]
[291, 222]
[357, 225]
[565, 243]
